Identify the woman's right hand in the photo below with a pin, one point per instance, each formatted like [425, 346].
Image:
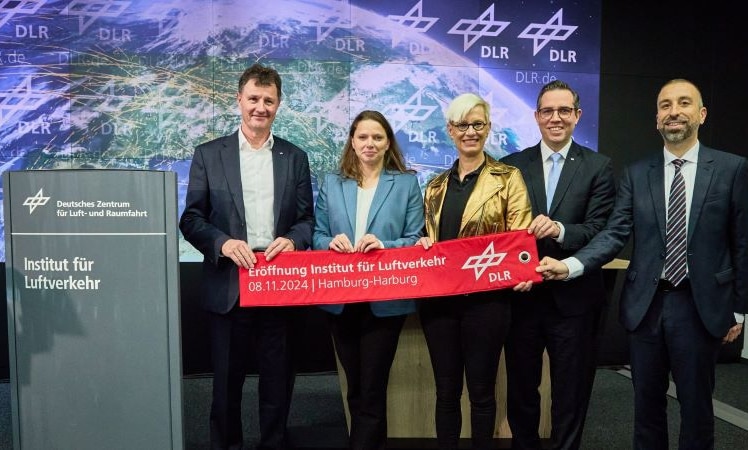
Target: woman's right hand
[425, 242]
[341, 244]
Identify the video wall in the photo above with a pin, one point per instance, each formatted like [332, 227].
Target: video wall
[115, 84]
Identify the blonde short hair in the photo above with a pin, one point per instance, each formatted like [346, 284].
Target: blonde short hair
[463, 104]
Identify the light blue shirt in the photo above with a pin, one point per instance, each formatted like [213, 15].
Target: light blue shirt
[545, 153]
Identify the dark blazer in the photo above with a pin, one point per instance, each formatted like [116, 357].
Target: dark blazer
[582, 202]
[214, 210]
[717, 238]
[395, 217]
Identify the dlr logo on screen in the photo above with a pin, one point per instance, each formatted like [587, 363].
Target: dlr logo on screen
[530, 77]
[34, 127]
[564, 55]
[355, 45]
[274, 41]
[423, 137]
[418, 49]
[491, 51]
[114, 34]
[32, 31]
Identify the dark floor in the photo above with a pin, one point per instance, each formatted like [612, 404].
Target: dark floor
[317, 419]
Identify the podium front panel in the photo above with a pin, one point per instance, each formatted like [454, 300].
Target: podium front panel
[92, 295]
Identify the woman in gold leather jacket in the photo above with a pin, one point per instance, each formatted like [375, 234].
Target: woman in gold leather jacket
[465, 333]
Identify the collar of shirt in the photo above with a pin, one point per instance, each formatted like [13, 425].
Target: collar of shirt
[546, 151]
[245, 145]
[692, 155]
[455, 171]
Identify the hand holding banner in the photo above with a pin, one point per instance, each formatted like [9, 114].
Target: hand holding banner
[457, 266]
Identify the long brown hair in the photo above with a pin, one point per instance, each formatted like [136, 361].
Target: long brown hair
[393, 157]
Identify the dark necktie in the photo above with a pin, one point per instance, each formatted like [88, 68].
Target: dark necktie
[553, 175]
[675, 255]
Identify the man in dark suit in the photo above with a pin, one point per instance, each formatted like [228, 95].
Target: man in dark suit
[683, 297]
[248, 192]
[561, 317]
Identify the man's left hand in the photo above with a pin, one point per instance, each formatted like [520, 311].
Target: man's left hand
[280, 244]
[733, 333]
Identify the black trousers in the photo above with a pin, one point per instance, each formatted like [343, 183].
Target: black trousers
[672, 340]
[538, 325]
[464, 335]
[269, 331]
[366, 347]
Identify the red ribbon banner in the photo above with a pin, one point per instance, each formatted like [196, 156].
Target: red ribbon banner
[457, 266]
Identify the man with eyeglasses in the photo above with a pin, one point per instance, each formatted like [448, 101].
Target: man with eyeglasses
[572, 191]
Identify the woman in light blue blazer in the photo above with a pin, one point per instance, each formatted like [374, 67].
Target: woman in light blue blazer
[372, 203]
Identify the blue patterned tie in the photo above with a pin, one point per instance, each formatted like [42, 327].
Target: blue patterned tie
[553, 175]
[675, 255]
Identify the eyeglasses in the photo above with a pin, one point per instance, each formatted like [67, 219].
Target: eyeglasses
[463, 126]
[563, 112]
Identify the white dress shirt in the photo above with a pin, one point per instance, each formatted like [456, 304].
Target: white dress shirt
[364, 199]
[256, 166]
